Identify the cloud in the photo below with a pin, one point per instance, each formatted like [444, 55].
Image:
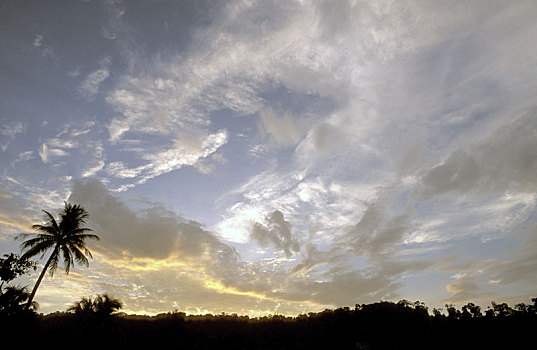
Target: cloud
[277, 232]
[93, 169]
[463, 289]
[74, 139]
[90, 86]
[128, 236]
[38, 40]
[282, 129]
[12, 217]
[142, 248]
[47, 154]
[504, 160]
[345, 289]
[9, 131]
[521, 268]
[153, 232]
[96, 162]
[392, 134]
[23, 156]
[186, 151]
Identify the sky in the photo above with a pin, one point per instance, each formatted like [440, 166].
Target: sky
[275, 157]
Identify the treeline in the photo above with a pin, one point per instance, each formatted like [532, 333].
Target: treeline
[381, 325]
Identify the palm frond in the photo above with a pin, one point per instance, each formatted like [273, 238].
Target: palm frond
[36, 240]
[77, 231]
[84, 236]
[78, 255]
[67, 258]
[35, 249]
[54, 262]
[51, 221]
[85, 305]
[46, 229]
[72, 216]
[87, 252]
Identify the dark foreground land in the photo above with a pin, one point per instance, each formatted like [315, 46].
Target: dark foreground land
[383, 325]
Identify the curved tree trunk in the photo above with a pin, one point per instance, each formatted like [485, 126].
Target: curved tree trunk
[38, 282]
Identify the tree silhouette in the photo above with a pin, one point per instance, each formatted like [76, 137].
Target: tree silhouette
[106, 305]
[66, 239]
[452, 311]
[12, 266]
[471, 310]
[501, 310]
[103, 306]
[82, 307]
[13, 299]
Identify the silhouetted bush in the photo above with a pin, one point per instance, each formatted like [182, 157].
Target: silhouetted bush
[381, 325]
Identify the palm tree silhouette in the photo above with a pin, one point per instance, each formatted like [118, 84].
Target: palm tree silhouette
[82, 307]
[66, 238]
[104, 305]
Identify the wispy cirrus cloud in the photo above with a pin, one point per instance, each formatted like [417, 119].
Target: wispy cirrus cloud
[90, 86]
[9, 131]
[182, 153]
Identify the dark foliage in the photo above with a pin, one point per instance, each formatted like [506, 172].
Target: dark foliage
[382, 325]
[12, 266]
[13, 300]
[103, 306]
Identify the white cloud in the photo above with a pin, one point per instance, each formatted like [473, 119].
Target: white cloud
[26, 155]
[119, 170]
[12, 128]
[48, 154]
[38, 40]
[90, 86]
[282, 129]
[9, 131]
[183, 153]
[92, 170]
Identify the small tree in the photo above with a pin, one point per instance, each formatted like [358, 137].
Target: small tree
[13, 301]
[437, 312]
[471, 310]
[452, 311]
[501, 310]
[12, 266]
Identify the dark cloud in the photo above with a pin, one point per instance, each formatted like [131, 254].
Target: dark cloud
[463, 289]
[376, 234]
[521, 269]
[505, 160]
[152, 232]
[275, 232]
[344, 289]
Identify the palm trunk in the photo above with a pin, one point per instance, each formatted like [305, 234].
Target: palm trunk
[29, 303]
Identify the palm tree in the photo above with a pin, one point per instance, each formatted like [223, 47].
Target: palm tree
[66, 239]
[103, 305]
[82, 307]
[106, 305]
